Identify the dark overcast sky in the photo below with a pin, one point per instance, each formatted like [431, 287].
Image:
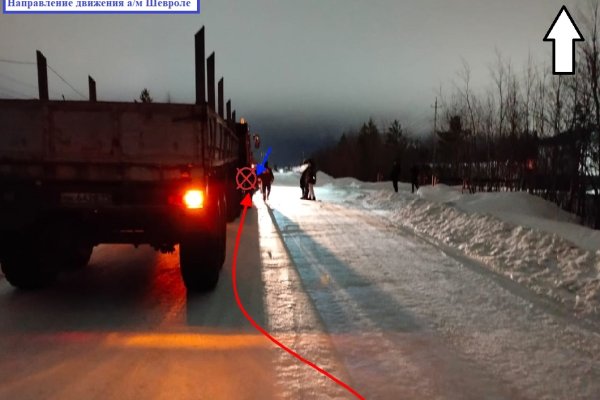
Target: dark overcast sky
[307, 69]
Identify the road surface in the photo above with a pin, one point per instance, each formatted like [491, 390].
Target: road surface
[389, 313]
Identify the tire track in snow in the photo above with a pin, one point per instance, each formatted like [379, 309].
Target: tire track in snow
[293, 319]
[390, 354]
[501, 330]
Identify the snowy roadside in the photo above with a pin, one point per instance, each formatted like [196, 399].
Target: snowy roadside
[517, 235]
[545, 262]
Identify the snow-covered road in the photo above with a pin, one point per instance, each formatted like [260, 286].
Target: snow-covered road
[391, 312]
[124, 328]
[411, 321]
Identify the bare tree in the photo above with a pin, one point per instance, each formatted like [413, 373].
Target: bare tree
[530, 79]
[499, 76]
[589, 52]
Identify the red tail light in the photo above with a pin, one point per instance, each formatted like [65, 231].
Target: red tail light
[193, 199]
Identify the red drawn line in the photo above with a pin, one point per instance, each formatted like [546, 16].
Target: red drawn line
[247, 202]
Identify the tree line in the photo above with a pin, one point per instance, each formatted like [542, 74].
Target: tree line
[369, 152]
[527, 130]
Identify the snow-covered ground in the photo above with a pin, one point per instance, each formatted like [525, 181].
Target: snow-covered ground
[361, 283]
[520, 236]
[411, 317]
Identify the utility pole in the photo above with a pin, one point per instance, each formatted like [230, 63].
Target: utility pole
[433, 177]
[435, 128]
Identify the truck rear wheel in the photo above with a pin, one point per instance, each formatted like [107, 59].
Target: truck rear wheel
[200, 261]
[25, 268]
[201, 254]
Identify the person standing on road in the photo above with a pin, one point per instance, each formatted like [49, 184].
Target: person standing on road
[312, 180]
[395, 175]
[414, 178]
[266, 179]
[304, 183]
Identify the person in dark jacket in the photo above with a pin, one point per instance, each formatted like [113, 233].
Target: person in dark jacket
[395, 175]
[414, 177]
[311, 181]
[307, 181]
[304, 183]
[266, 179]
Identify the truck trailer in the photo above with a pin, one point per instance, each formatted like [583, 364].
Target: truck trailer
[75, 174]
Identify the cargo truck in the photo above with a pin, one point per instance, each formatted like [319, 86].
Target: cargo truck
[75, 174]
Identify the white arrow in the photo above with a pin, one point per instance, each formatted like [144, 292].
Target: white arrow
[563, 33]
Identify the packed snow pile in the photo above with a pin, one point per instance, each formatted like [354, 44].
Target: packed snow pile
[518, 235]
[545, 262]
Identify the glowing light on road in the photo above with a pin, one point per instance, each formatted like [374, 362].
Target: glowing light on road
[188, 341]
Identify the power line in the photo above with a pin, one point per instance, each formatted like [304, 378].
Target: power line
[67, 83]
[16, 62]
[17, 81]
[28, 85]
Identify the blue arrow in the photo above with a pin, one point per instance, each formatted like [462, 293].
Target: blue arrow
[261, 167]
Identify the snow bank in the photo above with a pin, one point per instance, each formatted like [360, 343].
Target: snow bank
[545, 262]
[518, 208]
[518, 235]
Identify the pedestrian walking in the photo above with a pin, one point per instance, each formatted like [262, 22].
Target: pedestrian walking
[266, 179]
[414, 178]
[395, 175]
[312, 181]
[304, 183]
